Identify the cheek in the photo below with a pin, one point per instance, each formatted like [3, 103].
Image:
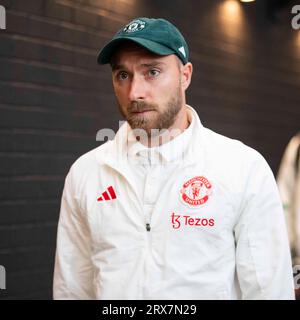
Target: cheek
[121, 95]
[168, 84]
[167, 91]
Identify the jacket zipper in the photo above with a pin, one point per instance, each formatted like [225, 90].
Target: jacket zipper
[148, 253]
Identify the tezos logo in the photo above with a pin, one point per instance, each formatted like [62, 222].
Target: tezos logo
[296, 19]
[187, 220]
[135, 25]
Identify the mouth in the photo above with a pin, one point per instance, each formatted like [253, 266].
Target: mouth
[142, 112]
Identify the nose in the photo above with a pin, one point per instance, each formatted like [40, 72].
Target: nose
[137, 89]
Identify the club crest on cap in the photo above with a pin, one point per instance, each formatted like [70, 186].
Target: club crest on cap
[134, 25]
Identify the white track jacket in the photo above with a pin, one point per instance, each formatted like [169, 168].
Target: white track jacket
[216, 231]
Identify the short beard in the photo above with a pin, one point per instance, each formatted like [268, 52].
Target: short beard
[160, 120]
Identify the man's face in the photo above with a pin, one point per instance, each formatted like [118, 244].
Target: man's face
[147, 87]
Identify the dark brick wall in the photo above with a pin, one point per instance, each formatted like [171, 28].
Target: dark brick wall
[54, 98]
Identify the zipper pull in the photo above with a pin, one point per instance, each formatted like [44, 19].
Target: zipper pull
[148, 228]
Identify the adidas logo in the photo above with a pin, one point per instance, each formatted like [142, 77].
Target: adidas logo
[109, 194]
[181, 49]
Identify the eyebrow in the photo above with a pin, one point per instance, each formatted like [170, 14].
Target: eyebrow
[153, 64]
[115, 66]
[147, 65]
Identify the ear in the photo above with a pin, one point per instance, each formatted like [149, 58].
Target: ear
[186, 75]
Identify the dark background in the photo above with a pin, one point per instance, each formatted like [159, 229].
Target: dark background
[54, 98]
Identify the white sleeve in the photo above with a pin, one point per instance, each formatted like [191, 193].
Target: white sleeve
[73, 271]
[263, 259]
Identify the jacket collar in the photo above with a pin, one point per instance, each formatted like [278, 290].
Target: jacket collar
[170, 151]
[119, 152]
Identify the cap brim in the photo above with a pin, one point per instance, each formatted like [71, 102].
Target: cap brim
[106, 52]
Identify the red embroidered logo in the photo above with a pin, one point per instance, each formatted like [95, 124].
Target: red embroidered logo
[196, 191]
[108, 195]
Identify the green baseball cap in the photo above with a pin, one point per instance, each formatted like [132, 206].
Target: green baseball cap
[156, 35]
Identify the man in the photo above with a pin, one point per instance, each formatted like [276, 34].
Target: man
[168, 209]
[288, 181]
